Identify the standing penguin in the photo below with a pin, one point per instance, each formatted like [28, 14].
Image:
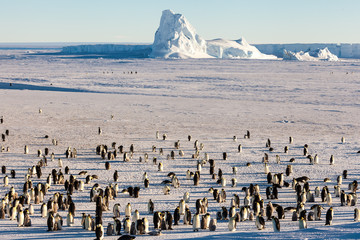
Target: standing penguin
[356, 215]
[302, 223]
[27, 220]
[276, 224]
[232, 224]
[110, 229]
[332, 160]
[157, 220]
[177, 215]
[260, 222]
[44, 210]
[117, 226]
[51, 222]
[196, 178]
[70, 219]
[196, 222]
[329, 216]
[99, 231]
[6, 181]
[146, 225]
[127, 225]
[116, 176]
[212, 225]
[20, 218]
[128, 210]
[329, 199]
[150, 207]
[187, 217]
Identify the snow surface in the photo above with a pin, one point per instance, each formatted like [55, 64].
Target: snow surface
[316, 103]
[315, 55]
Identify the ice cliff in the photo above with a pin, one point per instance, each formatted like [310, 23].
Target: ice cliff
[221, 48]
[314, 55]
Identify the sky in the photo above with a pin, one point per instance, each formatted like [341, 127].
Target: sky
[135, 21]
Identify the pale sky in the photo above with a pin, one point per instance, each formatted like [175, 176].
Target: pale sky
[258, 21]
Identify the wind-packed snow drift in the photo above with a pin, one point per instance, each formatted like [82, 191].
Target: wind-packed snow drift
[315, 55]
[221, 48]
[177, 38]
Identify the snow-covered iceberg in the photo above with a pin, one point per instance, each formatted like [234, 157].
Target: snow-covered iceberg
[221, 48]
[315, 55]
[177, 38]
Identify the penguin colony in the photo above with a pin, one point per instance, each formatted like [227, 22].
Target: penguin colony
[260, 203]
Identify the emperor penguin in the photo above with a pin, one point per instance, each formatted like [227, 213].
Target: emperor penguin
[187, 217]
[186, 197]
[188, 176]
[44, 210]
[232, 224]
[182, 206]
[70, 220]
[294, 216]
[60, 163]
[206, 221]
[160, 167]
[196, 222]
[212, 225]
[317, 191]
[302, 223]
[146, 183]
[88, 222]
[26, 149]
[128, 210]
[332, 160]
[356, 215]
[117, 226]
[110, 229]
[260, 222]
[244, 213]
[166, 190]
[146, 225]
[328, 199]
[267, 170]
[276, 224]
[157, 135]
[13, 213]
[177, 215]
[150, 207]
[317, 211]
[329, 216]
[99, 231]
[316, 159]
[127, 225]
[136, 216]
[27, 220]
[157, 220]
[51, 222]
[6, 181]
[223, 182]
[233, 182]
[116, 210]
[20, 218]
